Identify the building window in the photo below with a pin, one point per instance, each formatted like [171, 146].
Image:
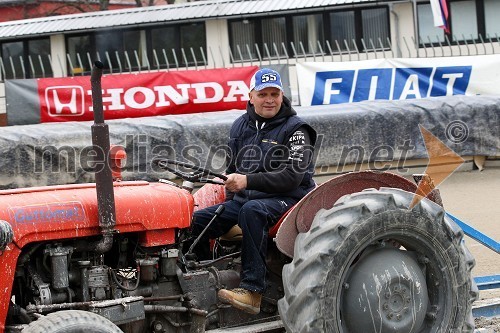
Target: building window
[464, 29]
[118, 50]
[133, 47]
[174, 45]
[38, 57]
[470, 21]
[12, 58]
[80, 57]
[258, 38]
[343, 30]
[163, 42]
[26, 59]
[375, 28]
[428, 33]
[308, 33]
[243, 39]
[273, 35]
[107, 45]
[491, 10]
[360, 30]
[193, 41]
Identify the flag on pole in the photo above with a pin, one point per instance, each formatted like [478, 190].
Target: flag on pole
[440, 13]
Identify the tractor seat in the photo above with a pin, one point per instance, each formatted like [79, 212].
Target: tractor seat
[211, 194]
[235, 234]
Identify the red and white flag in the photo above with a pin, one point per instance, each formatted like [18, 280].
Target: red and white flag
[440, 13]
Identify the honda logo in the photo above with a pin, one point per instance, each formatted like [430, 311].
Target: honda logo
[64, 101]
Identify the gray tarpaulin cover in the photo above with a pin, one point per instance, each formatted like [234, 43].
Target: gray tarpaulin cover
[60, 153]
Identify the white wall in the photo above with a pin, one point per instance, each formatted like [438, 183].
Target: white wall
[3, 106]
[58, 51]
[217, 42]
[402, 29]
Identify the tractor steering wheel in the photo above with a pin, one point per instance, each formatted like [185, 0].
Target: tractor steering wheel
[197, 173]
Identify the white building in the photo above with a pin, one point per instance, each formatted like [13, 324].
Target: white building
[223, 33]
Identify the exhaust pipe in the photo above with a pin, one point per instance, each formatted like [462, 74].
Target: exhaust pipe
[102, 165]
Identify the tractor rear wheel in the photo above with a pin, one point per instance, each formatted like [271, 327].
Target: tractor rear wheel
[370, 264]
[72, 321]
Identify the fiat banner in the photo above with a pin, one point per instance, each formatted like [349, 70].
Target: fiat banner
[397, 79]
[129, 95]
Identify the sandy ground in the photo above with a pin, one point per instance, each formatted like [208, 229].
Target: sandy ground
[474, 197]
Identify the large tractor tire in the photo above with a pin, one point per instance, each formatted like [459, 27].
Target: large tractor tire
[72, 321]
[370, 264]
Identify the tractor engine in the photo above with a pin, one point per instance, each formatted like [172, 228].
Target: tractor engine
[148, 283]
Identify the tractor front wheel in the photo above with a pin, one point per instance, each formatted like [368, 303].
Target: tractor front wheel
[371, 264]
[72, 321]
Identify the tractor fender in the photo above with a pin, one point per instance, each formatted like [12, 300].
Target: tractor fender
[324, 196]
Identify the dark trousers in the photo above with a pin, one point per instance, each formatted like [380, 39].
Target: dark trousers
[254, 217]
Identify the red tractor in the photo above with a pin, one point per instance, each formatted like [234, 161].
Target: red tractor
[107, 257]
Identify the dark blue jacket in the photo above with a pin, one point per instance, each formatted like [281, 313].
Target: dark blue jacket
[261, 149]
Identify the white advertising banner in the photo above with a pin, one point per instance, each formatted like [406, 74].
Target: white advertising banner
[397, 79]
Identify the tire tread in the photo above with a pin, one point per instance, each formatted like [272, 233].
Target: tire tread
[330, 228]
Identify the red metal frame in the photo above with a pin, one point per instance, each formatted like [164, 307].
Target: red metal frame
[153, 210]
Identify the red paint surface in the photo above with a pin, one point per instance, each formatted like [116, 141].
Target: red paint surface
[152, 210]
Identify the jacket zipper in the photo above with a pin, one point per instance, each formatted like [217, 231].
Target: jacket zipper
[256, 138]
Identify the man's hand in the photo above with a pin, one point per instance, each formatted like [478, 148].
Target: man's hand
[236, 182]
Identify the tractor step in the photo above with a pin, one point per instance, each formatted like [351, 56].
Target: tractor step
[271, 326]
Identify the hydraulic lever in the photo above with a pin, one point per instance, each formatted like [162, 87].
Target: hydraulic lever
[217, 213]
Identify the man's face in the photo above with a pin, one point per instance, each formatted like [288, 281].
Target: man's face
[267, 102]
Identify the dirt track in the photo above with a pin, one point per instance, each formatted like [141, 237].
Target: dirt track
[474, 197]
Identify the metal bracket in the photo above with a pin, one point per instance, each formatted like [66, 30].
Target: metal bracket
[476, 234]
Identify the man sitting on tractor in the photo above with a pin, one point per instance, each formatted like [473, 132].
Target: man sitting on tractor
[269, 169]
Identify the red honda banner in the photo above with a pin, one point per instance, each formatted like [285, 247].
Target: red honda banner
[146, 94]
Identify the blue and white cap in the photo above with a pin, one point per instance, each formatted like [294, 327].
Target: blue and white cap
[265, 78]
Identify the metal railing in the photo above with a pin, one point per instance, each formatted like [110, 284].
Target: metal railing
[172, 59]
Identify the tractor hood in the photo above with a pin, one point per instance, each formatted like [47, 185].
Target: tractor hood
[155, 210]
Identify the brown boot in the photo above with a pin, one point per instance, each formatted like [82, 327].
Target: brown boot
[242, 299]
